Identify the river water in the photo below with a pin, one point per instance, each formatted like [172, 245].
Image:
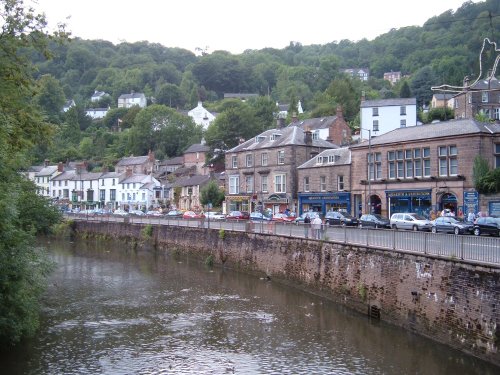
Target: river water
[109, 310]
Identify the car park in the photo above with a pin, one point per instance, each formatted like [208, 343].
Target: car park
[340, 218]
[450, 224]
[192, 215]
[410, 221]
[259, 216]
[211, 215]
[238, 215]
[374, 221]
[487, 225]
[172, 214]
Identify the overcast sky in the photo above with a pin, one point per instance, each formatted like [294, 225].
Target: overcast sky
[236, 25]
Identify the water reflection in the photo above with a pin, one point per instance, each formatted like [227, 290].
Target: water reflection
[116, 311]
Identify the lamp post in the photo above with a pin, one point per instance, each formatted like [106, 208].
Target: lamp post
[368, 205]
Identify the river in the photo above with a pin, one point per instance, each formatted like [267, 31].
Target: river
[112, 310]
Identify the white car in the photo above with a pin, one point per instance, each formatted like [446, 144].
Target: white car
[211, 215]
[410, 220]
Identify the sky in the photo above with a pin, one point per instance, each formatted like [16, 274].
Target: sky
[235, 26]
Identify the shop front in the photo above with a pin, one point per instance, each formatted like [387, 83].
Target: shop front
[324, 202]
[238, 203]
[418, 201]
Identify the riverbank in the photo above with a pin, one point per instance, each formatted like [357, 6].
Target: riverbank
[450, 302]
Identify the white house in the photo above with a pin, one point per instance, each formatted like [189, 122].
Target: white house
[62, 184]
[201, 116]
[96, 113]
[109, 184]
[137, 190]
[134, 98]
[85, 189]
[44, 177]
[383, 115]
[98, 95]
[362, 73]
[69, 104]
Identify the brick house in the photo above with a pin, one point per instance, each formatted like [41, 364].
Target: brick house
[324, 182]
[481, 97]
[262, 172]
[137, 164]
[195, 156]
[424, 168]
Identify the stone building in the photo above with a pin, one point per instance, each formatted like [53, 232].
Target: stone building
[424, 168]
[481, 97]
[137, 164]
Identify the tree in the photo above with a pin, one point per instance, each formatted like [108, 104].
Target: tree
[404, 91]
[50, 98]
[24, 213]
[421, 84]
[211, 193]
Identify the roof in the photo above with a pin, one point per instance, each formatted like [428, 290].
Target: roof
[444, 96]
[288, 136]
[316, 123]
[87, 176]
[487, 84]
[66, 175]
[452, 128]
[178, 160]
[134, 178]
[198, 147]
[132, 95]
[47, 171]
[132, 160]
[341, 156]
[195, 180]
[111, 175]
[239, 95]
[388, 102]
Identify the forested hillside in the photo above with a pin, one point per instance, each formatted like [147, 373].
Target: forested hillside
[444, 50]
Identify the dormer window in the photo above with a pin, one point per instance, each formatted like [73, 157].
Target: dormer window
[275, 136]
[315, 135]
[260, 138]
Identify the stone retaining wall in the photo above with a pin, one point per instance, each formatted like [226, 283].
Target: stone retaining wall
[448, 301]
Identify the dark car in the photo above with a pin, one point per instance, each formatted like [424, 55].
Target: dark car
[449, 224]
[340, 218]
[238, 215]
[312, 215]
[487, 225]
[259, 216]
[174, 214]
[374, 221]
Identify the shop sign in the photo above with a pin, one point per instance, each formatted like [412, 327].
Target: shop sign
[471, 202]
[408, 194]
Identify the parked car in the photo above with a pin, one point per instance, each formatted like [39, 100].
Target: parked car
[136, 212]
[120, 212]
[259, 216]
[238, 215]
[410, 220]
[192, 215]
[312, 215]
[449, 224]
[153, 213]
[374, 221]
[174, 214]
[215, 215]
[487, 225]
[102, 211]
[340, 218]
[283, 218]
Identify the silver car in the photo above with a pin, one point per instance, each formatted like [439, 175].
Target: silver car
[411, 221]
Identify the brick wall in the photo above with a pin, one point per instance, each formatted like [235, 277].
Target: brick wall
[450, 302]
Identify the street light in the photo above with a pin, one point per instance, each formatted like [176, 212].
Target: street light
[368, 202]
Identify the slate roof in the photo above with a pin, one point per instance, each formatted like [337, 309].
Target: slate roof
[195, 180]
[133, 95]
[87, 176]
[111, 175]
[343, 157]
[388, 102]
[47, 171]
[441, 129]
[444, 96]
[290, 136]
[135, 178]
[485, 84]
[178, 160]
[132, 160]
[197, 148]
[316, 123]
[66, 175]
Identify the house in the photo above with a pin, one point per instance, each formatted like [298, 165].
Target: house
[262, 172]
[136, 191]
[44, 176]
[98, 95]
[185, 192]
[283, 109]
[330, 128]
[424, 168]
[61, 186]
[137, 164]
[361, 73]
[324, 182]
[129, 100]
[383, 115]
[196, 156]
[68, 105]
[109, 186]
[85, 189]
[392, 77]
[96, 113]
[201, 116]
[481, 97]
[442, 100]
[171, 165]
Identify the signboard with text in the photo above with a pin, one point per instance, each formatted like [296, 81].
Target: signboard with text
[471, 202]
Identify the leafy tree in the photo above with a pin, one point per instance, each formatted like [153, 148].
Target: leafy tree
[441, 114]
[171, 95]
[24, 213]
[211, 193]
[421, 84]
[404, 91]
[479, 169]
[50, 97]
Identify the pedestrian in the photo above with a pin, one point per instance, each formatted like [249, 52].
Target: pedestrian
[317, 224]
[470, 217]
[307, 225]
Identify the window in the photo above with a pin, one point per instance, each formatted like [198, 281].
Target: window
[497, 113]
[374, 111]
[375, 125]
[418, 168]
[374, 162]
[469, 98]
[260, 138]
[497, 155]
[113, 183]
[322, 183]
[102, 195]
[275, 136]
[315, 135]
[405, 163]
[280, 183]
[402, 110]
[112, 194]
[402, 124]
[264, 159]
[281, 157]
[249, 160]
[102, 182]
[234, 161]
[249, 184]
[484, 97]
[263, 184]
[340, 183]
[448, 162]
[234, 184]
[306, 183]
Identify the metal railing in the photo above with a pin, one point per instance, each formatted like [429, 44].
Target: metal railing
[476, 249]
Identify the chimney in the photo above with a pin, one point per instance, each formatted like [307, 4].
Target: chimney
[308, 139]
[60, 167]
[128, 172]
[295, 119]
[46, 163]
[80, 168]
[151, 156]
[363, 96]
[280, 122]
[340, 114]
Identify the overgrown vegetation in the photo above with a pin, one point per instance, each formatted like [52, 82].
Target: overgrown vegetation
[147, 232]
[209, 260]
[486, 180]
[222, 233]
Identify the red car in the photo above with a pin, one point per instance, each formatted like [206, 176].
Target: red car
[283, 217]
[238, 215]
[192, 215]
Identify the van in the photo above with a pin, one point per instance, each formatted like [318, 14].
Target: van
[411, 221]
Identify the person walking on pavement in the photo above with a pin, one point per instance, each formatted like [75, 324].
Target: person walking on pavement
[316, 224]
[307, 225]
